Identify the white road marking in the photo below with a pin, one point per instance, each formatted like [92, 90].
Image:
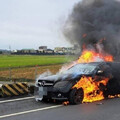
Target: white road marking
[30, 111]
[18, 99]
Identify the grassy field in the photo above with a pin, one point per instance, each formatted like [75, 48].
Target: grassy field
[30, 60]
[23, 67]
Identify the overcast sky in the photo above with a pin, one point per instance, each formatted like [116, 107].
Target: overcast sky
[32, 23]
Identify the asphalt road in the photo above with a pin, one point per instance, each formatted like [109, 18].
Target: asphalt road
[28, 109]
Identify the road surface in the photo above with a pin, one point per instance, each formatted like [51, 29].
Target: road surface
[27, 108]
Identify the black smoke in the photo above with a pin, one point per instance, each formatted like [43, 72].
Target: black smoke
[94, 22]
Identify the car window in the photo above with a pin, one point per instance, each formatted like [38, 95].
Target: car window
[82, 68]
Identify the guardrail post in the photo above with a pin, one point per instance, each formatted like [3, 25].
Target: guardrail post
[35, 72]
[10, 77]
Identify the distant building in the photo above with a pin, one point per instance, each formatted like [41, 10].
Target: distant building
[42, 49]
[77, 49]
[59, 50]
[27, 51]
[64, 50]
[5, 51]
[49, 51]
[14, 51]
[67, 50]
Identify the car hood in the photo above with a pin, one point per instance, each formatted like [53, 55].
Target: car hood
[60, 76]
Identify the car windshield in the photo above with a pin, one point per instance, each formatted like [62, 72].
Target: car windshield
[81, 68]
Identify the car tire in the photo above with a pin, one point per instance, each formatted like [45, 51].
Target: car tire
[105, 94]
[45, 99]
[76, 96]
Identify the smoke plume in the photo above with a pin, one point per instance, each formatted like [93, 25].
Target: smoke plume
[95, 24]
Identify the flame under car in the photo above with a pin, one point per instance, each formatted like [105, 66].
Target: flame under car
[105, 76]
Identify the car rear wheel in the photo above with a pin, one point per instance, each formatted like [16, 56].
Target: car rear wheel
[76, 96]
[105, 94]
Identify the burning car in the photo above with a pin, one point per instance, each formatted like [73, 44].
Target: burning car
[95, 75]
[83, 82]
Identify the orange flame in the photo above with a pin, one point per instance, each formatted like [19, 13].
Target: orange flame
[92, 56]
[91, 87]
[66, 103]
[114, 96]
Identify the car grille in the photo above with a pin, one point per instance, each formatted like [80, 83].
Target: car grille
[45, 83]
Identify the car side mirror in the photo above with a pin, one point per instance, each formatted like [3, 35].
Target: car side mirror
[100, 72]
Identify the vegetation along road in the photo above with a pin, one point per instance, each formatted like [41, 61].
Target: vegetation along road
[30, 60]
[26, 67]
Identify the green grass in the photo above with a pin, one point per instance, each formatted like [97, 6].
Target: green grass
[29, 60]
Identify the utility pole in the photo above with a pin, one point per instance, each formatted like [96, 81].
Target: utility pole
[10, 49]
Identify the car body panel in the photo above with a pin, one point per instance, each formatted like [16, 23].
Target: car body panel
[58, 86]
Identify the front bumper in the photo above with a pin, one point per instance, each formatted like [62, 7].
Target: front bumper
[48, 92]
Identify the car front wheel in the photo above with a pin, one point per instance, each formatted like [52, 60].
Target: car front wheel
[76, 96]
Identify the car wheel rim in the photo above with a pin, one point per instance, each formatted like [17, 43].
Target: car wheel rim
[78, 96]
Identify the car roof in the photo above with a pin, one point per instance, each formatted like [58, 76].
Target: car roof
[94, 63]
[102, 63]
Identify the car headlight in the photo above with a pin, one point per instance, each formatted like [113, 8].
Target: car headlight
[39, 83]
